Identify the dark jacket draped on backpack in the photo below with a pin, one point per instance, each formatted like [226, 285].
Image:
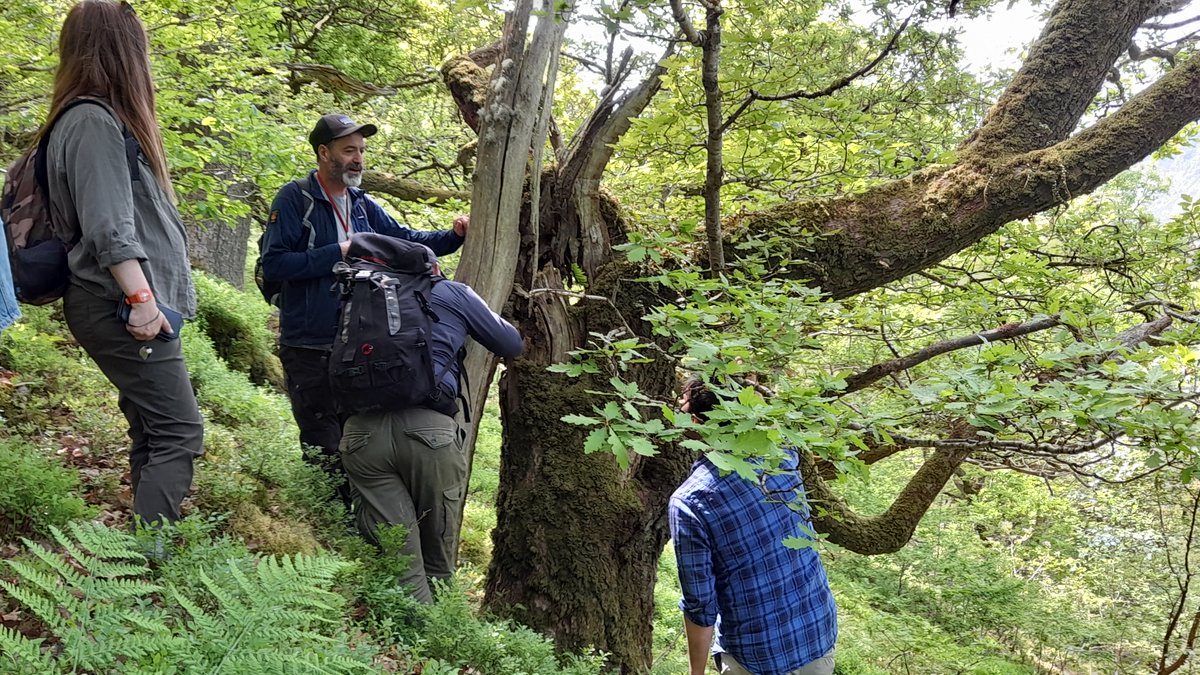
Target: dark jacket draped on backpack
[308, 302]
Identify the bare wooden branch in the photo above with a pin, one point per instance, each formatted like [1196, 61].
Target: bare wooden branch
[591, 147]
[1177, 611]
[318, 27]
[685, 23]
[587, 63]
[540, 133]
[333, 79]
[1009, 331]
[1171, 26]
[507, 117]
[1139, 54]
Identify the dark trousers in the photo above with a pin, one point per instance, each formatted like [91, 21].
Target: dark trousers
[307, 373]
[166, 431]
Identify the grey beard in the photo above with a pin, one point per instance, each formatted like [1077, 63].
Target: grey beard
[351, 180]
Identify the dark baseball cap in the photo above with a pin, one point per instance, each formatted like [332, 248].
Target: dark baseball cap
[337, 125]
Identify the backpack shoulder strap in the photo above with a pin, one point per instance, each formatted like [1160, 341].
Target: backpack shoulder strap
[305, 222]
[464, 391]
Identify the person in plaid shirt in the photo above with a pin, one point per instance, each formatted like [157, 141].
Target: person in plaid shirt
[768, 606]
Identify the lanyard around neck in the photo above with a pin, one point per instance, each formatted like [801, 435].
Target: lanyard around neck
[337, 212]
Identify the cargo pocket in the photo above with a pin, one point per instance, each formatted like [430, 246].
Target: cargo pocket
[451, 508]
[353, 441]
[435, 438]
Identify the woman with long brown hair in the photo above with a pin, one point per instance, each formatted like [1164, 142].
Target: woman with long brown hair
[110, 192]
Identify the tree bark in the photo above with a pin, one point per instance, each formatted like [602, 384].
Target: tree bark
[577, 545]
[1065, 68]
[578, 539]
[219, 248]
[506, 124]
[860, 242]
[714, 143]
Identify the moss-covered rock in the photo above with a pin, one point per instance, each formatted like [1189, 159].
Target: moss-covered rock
[236, 322]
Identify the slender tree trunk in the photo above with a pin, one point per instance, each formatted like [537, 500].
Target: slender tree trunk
[715, 174]
[219, 247]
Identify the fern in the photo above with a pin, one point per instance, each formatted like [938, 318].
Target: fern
[105, 542]
[23, 654]
[245, 616]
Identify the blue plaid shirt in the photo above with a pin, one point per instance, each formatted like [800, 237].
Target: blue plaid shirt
[771, 605]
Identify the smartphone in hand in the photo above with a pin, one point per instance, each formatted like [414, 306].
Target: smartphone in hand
[173, 317]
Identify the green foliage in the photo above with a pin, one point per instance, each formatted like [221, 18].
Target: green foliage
[390, 608]
[236, 322]
[99, 601]
[479, 516]
[450, 632]
[36, 492]
[448, 635]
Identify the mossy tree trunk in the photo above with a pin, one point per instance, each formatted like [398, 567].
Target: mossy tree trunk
[578, 537]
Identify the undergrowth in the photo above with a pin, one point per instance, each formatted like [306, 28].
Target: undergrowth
[104, 610]
[260, 577]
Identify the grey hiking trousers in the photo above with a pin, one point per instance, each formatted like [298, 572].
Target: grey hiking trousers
[408, 468]
[166, 431]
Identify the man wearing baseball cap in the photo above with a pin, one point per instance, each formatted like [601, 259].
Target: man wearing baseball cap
[309, 229]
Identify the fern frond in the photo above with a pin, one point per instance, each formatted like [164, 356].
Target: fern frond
[322, 663]
[85, 560]
[49, 584]
[116, 570]
[106, 542]
[42, 608]
[274, 617]
[54, 561]
[251, 590]
[315, 568]
[118, 589]
[45, 609]
[147, 623]
[225, 599]
[186, 603]
[21, 651]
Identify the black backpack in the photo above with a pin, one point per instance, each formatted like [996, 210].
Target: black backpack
[271, 289]
[381, 357]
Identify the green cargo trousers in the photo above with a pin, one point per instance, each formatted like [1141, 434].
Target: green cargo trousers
[408, 468]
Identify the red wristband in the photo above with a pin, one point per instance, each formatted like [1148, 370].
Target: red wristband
[139, 296]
